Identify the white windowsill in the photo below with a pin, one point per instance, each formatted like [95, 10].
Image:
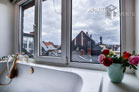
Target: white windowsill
[78, 65]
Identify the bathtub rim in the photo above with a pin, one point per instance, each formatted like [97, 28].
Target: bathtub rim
[85, 84]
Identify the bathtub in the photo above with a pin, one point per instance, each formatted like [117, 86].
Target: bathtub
[51, 79]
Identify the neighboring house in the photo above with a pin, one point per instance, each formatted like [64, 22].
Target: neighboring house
[49, 45]
[103, 46]
[48, 48]
[28, 44]
[114, 47]
[83, 42]
[119, 49]
[97, 50]
[59, 49]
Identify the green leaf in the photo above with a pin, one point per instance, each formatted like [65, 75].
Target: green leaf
[134, 53]
[124, 69]
[115, 55]
[134, 67]
[130, 67]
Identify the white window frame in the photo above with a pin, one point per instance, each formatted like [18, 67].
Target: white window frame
[38, 29]
[69, 35]
[66, 34]
[18, 26]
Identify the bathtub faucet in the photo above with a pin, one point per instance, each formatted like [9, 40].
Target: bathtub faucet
[13, 70]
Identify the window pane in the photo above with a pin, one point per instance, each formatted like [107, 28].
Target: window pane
[27, 31]
[51, 28]
[95, 26]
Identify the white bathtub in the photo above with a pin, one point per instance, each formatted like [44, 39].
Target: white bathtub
[51, 79]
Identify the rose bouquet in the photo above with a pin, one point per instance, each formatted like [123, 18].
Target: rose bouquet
[108, 57]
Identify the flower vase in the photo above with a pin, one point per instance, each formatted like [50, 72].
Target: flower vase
[115, 72]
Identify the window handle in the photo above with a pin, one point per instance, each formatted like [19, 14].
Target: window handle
[34, 27]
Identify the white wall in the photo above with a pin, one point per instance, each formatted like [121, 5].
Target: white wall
[137, 31]
[6, 27]
[130, 25]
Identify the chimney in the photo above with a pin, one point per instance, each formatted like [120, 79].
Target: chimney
[82, 52]
[87, 34]
[89, 51]
[82, 42]
[101, 41]
[90, 36]
[75, 42]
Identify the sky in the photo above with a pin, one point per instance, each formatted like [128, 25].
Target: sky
[87, 15]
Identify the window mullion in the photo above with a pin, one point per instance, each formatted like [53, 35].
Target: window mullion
[37, 28]
[68, 28]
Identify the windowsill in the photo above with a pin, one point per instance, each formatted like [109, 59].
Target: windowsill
[76, 65]
[129, 84]
[86, 66]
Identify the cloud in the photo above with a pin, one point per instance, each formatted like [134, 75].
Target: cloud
[28, 20]
[96, 21]
[93, 22]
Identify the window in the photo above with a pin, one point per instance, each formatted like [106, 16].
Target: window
[51, 28]
[27, 32]
[69, 30]
[95, 26]
[51, 43]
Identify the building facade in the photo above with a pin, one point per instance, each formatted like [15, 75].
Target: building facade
[83, 42]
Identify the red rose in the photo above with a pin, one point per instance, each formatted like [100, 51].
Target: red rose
[126, 55]
[106, 51]
[107, 61]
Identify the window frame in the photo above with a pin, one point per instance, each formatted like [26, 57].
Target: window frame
[69, 37]
[66, 25]
[18, 26]
[38, 30]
